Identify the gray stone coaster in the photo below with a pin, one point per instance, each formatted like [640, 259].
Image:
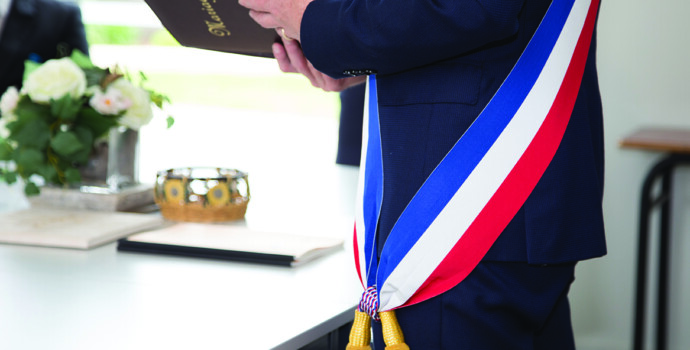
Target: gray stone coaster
[95, 198]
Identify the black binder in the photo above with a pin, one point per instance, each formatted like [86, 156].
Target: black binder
[230, 242]
[207, 253]
[220, 25]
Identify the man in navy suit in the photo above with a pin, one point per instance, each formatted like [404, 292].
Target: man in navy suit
[38, 30]
[437, 64]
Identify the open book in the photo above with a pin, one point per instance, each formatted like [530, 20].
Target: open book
[78, 229]
[219, 25]
[230, 242]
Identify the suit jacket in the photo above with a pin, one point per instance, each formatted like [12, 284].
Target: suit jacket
[438, 63]
[45, 28]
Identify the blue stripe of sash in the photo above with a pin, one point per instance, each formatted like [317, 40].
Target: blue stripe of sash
[451, 173]
[373, 186]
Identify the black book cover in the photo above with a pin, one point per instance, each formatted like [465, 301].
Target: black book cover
[230, 242]
[201, 252]
[218, 25]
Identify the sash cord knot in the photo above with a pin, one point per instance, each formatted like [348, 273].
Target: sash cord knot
[360, 335]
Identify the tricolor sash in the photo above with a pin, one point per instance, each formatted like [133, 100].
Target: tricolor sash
[482, 182]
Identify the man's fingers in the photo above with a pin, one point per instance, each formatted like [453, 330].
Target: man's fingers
[283, 60]
[264, 19]
[298, 62]
[317, 77]
[256, 5]
[290, 58]
[294, 52]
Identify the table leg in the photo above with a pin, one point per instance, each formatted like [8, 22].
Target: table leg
[642, 250]
[662, 170]
[664, 258]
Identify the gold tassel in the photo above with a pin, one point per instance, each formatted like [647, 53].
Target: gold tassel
[392, 333]
[360, 334]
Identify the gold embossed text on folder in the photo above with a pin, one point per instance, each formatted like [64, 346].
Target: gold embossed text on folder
[215, 22]
[219, 25]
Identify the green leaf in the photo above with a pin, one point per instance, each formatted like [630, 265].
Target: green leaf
[30, 189]
[29, 67]
[82, 60]
[28, 109]
[49, 173]
[158, 99]
[5, 150]
[66, 143]
[31, 132]
[10, 177]
[65, 107]
[72, 175]
[97, 123]
[171, 121]
[94, 76]
[29, 160]
[86, 138]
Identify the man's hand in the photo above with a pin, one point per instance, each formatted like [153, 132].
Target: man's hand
[283, 15]
[291, 59]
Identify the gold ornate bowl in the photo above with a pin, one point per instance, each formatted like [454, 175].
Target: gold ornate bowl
[202, 194]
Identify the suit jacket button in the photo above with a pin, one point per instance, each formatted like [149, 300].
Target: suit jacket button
[357, 72]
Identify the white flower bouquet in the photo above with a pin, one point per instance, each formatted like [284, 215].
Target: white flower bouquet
[49, 127]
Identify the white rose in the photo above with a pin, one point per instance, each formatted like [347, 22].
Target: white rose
[54, 79]
[140, 112]
[111, 102]
[9, 100]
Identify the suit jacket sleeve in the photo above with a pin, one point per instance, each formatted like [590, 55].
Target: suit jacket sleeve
[389, 36]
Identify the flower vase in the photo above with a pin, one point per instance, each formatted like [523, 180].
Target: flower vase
[109, 178]
[112, 165]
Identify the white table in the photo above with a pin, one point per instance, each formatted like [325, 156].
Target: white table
[104, 299]
[63, 299]
[53, 298]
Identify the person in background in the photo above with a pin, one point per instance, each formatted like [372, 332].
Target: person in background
[38, 30]
[350, 125]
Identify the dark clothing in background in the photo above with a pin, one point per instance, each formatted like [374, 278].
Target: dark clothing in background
[40, 30]
[350, 127]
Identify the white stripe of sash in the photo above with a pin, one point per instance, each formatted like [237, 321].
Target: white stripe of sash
[359, 209]
[489, 174]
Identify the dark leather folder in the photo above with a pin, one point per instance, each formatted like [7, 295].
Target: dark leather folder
[218, 25]
[230, 242]
[202, 252]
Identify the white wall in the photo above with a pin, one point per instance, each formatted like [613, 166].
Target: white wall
[643, 57]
